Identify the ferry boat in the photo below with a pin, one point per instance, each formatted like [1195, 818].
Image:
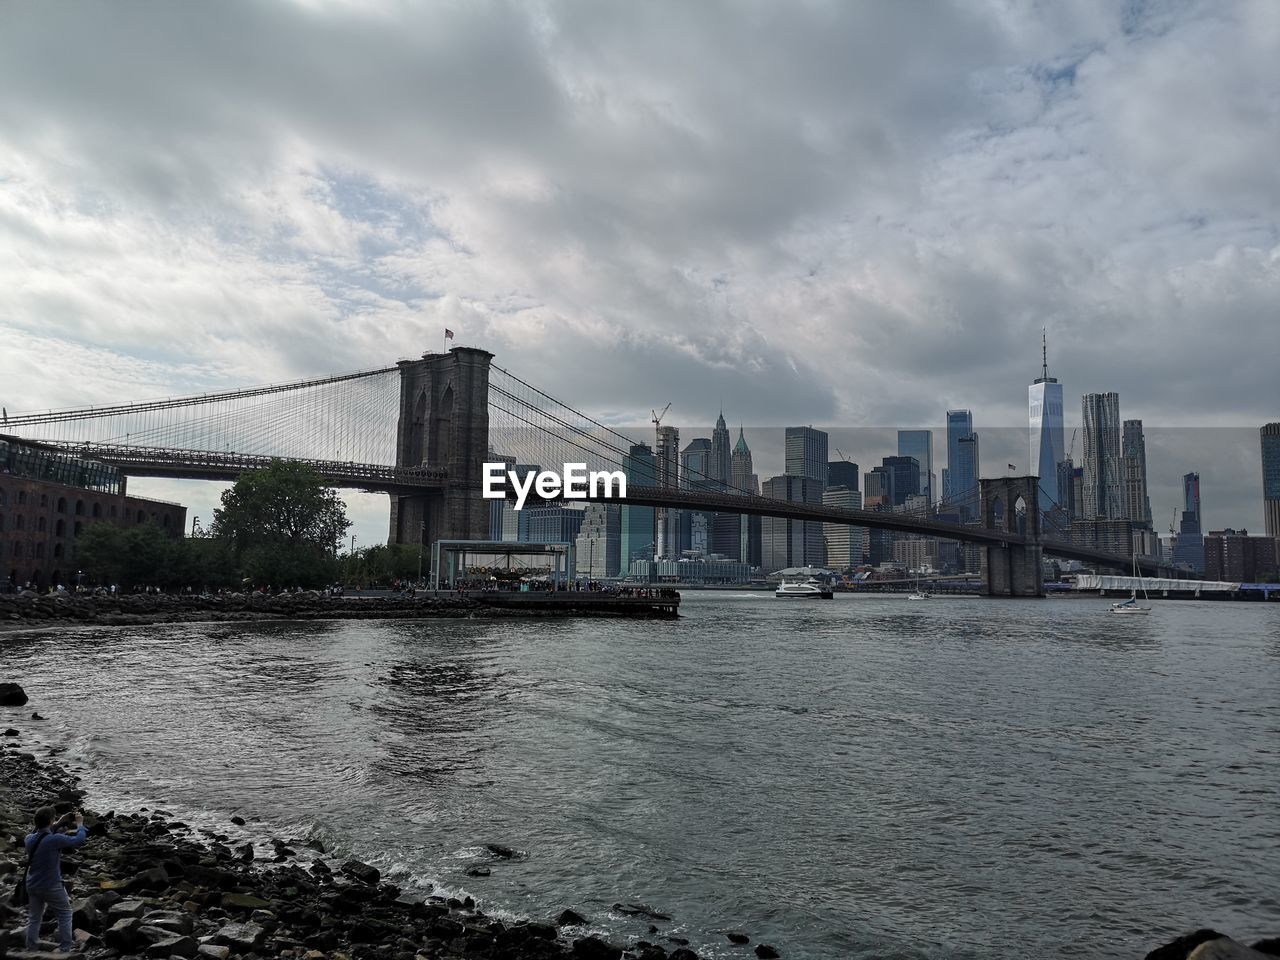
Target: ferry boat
[810, 589]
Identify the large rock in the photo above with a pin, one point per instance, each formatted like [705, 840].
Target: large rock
[124, 935]
[1181, 948]
[243, 901]
[152, 881]
[174, 946]
[241, 937]
[593, 948]
[1225, 949]
[12, 695]
[362, 872]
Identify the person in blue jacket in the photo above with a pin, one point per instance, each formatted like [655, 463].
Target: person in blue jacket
[44, 877]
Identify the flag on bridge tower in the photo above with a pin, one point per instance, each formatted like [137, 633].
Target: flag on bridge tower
[448, 334]
[1013, 468]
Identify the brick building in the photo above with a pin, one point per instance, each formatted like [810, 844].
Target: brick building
[48, 498]
[1236, 557]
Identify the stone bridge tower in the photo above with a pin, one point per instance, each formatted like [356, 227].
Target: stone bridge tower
[444, 423]
[1010, 504]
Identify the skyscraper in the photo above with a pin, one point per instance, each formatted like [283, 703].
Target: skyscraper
[499, 510]
[1103, 494]
[919, 444]
[696, 465]
[720, 465]
[1190, 549]
[744, 480]
[960, 480]
[845, 545]
[668, 475]
[599, 543]
[636, 541]
[806, 453]
[696, 470]
[1133, 473]
[968, 471]
[842, 473]
[741, 470]
[906, 478]
[791, 543]
[1271, 478]
[1044, 401]
[806, 456]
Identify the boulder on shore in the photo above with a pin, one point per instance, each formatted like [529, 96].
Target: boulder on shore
[1225, 949]
[12, 695]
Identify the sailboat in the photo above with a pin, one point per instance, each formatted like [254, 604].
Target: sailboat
[1131, 606]
[919, 594]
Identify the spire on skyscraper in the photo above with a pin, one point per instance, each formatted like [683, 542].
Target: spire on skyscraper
[1044, 358]
[741, 445]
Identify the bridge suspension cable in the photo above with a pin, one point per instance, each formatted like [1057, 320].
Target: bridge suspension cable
[346, 417]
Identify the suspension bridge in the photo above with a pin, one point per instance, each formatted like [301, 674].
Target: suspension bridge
[420, 431]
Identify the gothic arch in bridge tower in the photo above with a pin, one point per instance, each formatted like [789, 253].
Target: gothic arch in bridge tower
[441, 448]
[1011, 569]
[418, 429]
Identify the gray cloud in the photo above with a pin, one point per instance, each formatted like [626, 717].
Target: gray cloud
[827, 212]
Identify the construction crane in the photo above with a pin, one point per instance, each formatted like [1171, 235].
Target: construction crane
[840, 454]
[1072, 448]
[657, 417]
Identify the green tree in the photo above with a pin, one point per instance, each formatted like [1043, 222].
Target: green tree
[282, 525]
[99, 552]
[380, 564]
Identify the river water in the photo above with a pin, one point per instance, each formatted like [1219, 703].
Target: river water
[865, 777]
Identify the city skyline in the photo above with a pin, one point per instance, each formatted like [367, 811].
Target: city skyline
[782, 213]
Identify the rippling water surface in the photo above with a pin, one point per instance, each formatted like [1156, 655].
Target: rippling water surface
[866, 777]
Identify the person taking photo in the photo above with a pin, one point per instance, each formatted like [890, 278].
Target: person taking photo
[44, 872]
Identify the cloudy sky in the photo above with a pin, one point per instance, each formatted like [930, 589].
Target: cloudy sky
[845, 214]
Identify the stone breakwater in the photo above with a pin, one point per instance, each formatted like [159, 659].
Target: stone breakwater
[149, 886]
[26, 610]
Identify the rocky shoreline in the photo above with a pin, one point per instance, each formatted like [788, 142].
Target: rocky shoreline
[149, 886]
[26, 610]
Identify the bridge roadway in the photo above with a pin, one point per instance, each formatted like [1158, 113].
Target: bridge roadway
[205, 465]
[378, 478]
[703, 500]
